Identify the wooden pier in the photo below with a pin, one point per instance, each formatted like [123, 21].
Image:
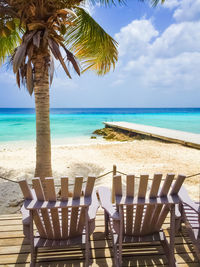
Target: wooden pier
[15, 249]
[175, 136]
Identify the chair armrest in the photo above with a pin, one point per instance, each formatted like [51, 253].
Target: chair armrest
[26, 213]
[94, 206]
[183, 194]
[105, 200]
[177, 212]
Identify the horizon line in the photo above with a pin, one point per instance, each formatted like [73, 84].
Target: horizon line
[95, 107]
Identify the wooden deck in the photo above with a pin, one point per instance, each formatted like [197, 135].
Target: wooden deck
[175, 136]
[14, 249]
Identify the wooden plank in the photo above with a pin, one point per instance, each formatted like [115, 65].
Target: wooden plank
[136, 248]
[139, 209]
[174, 191]
[87, 193]
[74, 212]
[14, 251]
[89, 186]
[185, 138]
[64, 196]
[177, 185]
[164, 191]
[28, 196]
[40, 196]
[118, 185]
[39, 224]
[51, 196]
[130, 184]
[150, 208]
[98, 237]
[26, 190]
[134, 255]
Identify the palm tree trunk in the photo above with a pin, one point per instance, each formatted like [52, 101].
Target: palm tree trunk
[41, 91]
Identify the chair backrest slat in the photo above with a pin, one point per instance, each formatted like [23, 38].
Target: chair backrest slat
[64, 196]
[164, 191]
[177, 185]
[167, 184]
[146, 226]
[26, 190]
[51, 196]
[130, 186]
[28, 196]
[64, 188]
[37, 185]
[175, 189]
[74, 211]
[155, 185]
[88, 192]
[118, 185]
[89, 186]
[139, 208]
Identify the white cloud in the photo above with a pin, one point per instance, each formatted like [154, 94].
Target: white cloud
[135, 37]
[169, 61]
[185, 10]
[188, 10]
[178, 73]
[176, 39]
[171, 3]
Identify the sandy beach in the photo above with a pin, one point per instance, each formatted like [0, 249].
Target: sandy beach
[95, 157]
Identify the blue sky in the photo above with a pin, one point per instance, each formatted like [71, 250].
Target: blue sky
[159, 62]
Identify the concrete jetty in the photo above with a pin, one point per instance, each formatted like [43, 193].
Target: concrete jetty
[175, 136]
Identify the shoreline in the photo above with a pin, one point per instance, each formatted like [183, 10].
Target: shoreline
[96, 157]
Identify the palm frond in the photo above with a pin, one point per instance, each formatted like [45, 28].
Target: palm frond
[8, 44]
[107, 2]
[56, 52]
[156, 2]
[95, 48]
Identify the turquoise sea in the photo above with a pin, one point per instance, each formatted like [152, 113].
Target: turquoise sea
[19, 123]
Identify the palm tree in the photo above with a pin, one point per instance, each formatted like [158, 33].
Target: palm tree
[33, 33]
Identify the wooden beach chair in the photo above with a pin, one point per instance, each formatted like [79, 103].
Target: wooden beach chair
[60, 222]
[139, 217]
[190, 216]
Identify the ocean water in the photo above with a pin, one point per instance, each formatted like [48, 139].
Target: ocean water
[19, 124]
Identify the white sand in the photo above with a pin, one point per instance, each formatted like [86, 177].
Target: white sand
[93, 157]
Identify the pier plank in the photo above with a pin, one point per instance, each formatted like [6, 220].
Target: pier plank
[175, 136]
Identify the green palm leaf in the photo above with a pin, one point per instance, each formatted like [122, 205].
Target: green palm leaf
[107, 2]
[7, 45]
[95, 48]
